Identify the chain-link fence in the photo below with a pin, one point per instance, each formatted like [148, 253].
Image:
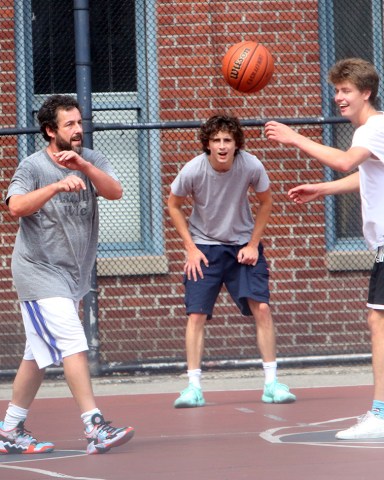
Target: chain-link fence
[151, 72]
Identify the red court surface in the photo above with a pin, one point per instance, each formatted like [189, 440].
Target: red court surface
[234, 437]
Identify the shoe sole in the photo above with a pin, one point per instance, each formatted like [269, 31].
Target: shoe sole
[269, 400]
[365, 437]
[101, 448]
[124, 439]
[12, 449]
[188, 405]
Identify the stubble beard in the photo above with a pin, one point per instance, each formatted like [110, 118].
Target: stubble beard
[62, 145]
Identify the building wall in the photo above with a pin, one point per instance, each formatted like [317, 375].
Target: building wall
[142, 317]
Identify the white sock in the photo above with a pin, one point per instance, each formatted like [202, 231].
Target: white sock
[194, 377]
[270, 371]
[87, 417]
[13, 416]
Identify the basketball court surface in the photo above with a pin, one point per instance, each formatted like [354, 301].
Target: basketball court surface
[234, 437]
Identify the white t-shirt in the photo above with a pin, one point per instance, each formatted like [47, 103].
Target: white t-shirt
[221, 212]
[371, 136]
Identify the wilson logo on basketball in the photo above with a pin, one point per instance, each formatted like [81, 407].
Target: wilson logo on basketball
[247, 66]
[237, 64]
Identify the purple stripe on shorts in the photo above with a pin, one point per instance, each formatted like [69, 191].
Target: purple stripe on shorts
[41, 329]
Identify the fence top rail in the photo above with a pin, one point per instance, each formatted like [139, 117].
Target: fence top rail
[96, 127]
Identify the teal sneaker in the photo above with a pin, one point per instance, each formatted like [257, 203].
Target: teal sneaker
[190, 397]
[276, 392]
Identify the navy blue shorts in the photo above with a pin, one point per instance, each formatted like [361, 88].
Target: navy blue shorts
[242, 281]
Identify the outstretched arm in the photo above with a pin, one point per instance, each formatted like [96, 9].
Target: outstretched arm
[308, 192]
[329, 156]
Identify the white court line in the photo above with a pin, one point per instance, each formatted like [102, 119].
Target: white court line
[48, 473]
[249, 410]
[275, 417]
[269, 436]
[37, 458]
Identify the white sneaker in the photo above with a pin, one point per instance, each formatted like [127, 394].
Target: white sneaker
[367, 426]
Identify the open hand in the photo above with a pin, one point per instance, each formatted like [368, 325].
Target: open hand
[304, 193]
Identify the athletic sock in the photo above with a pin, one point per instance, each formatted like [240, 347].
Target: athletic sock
[87, 417]
[378, 408]
[14, 415]
[194, 377]
[270, 369]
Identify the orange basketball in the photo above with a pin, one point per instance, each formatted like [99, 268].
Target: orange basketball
[248, 66]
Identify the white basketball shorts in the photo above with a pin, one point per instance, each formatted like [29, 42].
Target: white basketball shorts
[53, 330]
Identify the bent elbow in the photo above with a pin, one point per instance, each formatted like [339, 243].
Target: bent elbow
[15, 212]
[345, 168]
[14, 208]
[119, 194]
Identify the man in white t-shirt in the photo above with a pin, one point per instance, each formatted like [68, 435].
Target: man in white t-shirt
[223, 247]
[356, 85]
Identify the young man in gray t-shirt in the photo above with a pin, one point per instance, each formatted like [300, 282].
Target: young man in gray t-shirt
[223, 246]
[54, 195]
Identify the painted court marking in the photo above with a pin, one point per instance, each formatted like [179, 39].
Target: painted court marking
[48, 473]
[56, 454]
[275, 417]
[318, 437]
[245, 410]
[5, 460]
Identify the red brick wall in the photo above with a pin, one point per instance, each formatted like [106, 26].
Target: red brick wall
[142, 317]
[11, 331]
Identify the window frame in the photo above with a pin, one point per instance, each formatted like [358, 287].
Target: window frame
[150, 241]
[352, 249]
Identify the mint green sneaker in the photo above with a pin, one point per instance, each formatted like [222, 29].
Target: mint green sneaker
[190, 397]
[276, 392]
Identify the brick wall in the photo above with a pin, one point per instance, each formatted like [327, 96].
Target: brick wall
[11, 331]
[142, 318]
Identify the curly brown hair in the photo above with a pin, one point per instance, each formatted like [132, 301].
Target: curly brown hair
[221, 123]
[47, 115]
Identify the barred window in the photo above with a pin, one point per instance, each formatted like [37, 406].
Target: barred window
[346, 25]
[113, 46]
[122, 49]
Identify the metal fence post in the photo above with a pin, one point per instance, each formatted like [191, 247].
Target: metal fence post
[84, 96]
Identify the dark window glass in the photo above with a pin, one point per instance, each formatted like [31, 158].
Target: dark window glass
[353, 38]
[353, 29]
[113, 46]
[53, 47]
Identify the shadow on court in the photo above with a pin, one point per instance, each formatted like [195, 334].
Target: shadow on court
[234, 437]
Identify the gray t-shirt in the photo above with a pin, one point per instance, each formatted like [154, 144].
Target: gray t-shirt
[55, 247]
[221, 212]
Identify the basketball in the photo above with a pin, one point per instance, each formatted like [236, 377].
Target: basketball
[248, 66]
